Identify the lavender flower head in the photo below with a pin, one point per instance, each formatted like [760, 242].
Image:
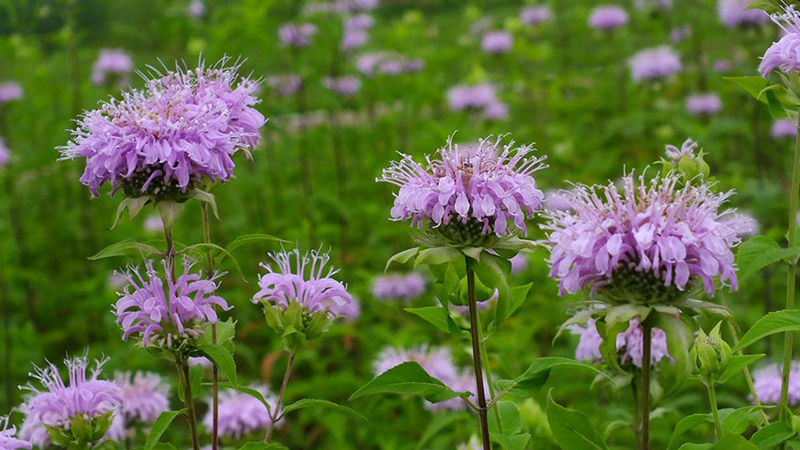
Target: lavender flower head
[398, 287]
[153, 224]
[722, 65]
[734, 13]
[655, 63]
[386, 63]
[297, 35]
[608, 17]
[767, 383]
[662, 5]
[9, 91]
[784, 54]
[144, 396]
[241, 414]
[57, 403]
[675, 154]
[7, 440]
[534, 15]
[471, 97]
[497, 42]
[496, 111]
[353, 38]
[196, 9]
[5, 153]
[146, 311]
[629, 344]
[648, 242]
[112, 63]
[783, 128]
[352, 311]
[704, 104]
[284, 85]
[558, 200]
[744, 225]
[468, 194]
[344, 86]
[302, 278]
[185, 126]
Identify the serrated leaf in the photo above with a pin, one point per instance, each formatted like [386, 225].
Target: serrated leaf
[571, 429]
[317, 403]
[511, 441]
[160, 426]
[772, 435]
[222, 358]
[686, 424]
[680, 338]
[439, 317]
[772, 323]
[402, 258]
[493, 272]
[509, 417]
[128, 248]
[759, 252]
[736, 364]
[437, 256]
[753, 85]
[529, 383]
[407, 378]
[733, 442]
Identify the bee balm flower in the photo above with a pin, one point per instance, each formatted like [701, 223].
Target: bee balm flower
[654, 63]
[185, 126]
[784, 54]
[7, 440]
[734, 13]
[468, 193]
[629, 344]
[608, 17]
[144, 395]
[112, 63]
[241, 414]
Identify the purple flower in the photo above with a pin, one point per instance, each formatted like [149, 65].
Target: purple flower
[305, 282]
[558, 200]
[480, 189]
[629, 344]
[496, 111]
[608, 17]
[353, 38]
[241, 414]
[284, 85]
[398, 287]
[185, 126]
[784, 54]
[653, 235]
[386, 63]
[7, 440]
[655, 63]
[767, 383]
[201, 361]
[196, 9]
[534, 15]
[116, 63]
[182, 311]
[781, 128]
[519, 263]
[352, 311]
[675, 154]
[497, 42]
[57, 403]
[154, 224]
[144, 396]
[9, 91]
[344, 86]
[744, 225]
[722, 65]
[679, 34]
[363, 21]
[5, 153]
[297, 35]
[476, 96]
[663, 5]
[704, 104]
[734, 13]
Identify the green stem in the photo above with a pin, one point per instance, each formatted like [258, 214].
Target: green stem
[476, 357]
[790, 278]
[637, 412]
[646, 338]
[489, 381]
[214, 368]
[275, 411]
[191, 416]
[712, 398]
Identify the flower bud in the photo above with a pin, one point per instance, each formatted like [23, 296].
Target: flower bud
[710, 353]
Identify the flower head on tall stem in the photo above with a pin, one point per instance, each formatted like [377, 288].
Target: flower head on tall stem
[184, 127]
[241, 414]
[784, 54]
[396, 286]
[608, 17]
[767, 383]
[112, 65]
[535, 15]
[655, 63]
[57, 405]
[145, 395]
[735, 13]
[298, 35]
[649, 241]
[7, 439]
[497, 42]
[167, 317]
[783, 128]
[10, 90]
[703, 104]
[468, 194]
[629, 344]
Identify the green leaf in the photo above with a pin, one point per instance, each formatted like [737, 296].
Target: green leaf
[735, 421]
[733, 442]
[160, 426]
[736, 364]
[691, 446]
[614, 426]
[438, 317]
[529, 383]
[680, 338]
[772, 323]
[472, 252]
[208, 198]
[128, 248]
[753, 85]
[518, 296]
[222, 358]
[759, 252]
[203, 247]
[407, 378]
[686, 424]
[317, 403]
[402, 257]
[437, 424]
[196, 380]
[776, 107]
[571, 429]
[170, 211]
[772, 435]
[437, 256]
[493, 272]
[247, 239]
[511, 441]
[509, 417]
[263, 446]
[134, 207]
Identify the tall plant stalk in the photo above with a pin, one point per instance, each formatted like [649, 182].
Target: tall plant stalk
[712, 398]
[476, 357]
[275, 416]
[489, 374]
[791, 277]
[214, 368]
[646, 351]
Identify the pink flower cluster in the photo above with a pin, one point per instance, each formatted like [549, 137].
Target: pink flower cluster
[629, 344]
